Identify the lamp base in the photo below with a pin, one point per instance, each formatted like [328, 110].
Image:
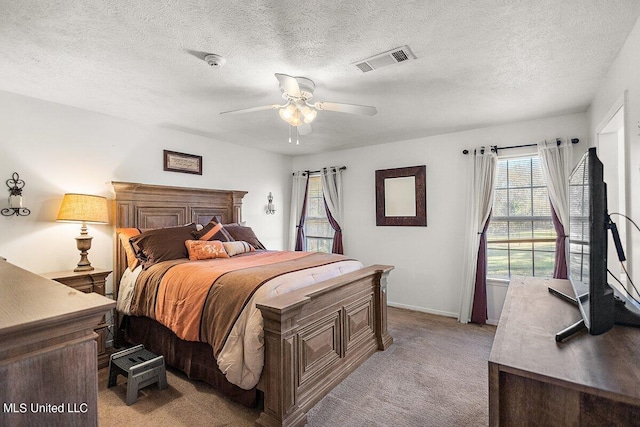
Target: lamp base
[84, 244]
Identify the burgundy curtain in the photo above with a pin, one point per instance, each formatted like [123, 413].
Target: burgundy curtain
[303, 215]
[337, 237]
[479, 309]
[560, 266]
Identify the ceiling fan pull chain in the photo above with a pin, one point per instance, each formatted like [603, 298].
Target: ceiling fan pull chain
[289, 134]
[297, 138]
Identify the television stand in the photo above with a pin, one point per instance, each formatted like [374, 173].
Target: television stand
[579, 326]
[563, 296]
[624, 316]
[535, 381]
[567, 333]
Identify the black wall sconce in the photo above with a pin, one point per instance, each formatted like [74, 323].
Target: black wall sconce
[15, 185]
[271, 208]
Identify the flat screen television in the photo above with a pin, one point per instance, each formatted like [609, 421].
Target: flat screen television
[589, 223]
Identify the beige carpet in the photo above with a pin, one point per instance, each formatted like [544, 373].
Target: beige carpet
[435, 374]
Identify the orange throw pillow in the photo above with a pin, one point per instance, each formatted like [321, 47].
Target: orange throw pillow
[205, 249]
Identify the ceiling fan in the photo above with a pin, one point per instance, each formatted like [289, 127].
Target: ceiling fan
[298, 112]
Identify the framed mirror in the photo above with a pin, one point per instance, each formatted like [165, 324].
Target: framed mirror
[401, 196]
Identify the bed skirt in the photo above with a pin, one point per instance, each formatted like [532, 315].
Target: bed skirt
[193, 358]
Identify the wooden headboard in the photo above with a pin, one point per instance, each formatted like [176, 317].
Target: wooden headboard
[156, 206]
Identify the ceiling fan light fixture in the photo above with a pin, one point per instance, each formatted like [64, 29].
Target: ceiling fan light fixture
[284, 114]
[309, 114]
[292, 109]
[305, 110]
[290, 114]
[295, 119]
[295, 115]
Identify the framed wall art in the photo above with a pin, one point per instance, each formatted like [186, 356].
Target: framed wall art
[401, 196]
[181, 162]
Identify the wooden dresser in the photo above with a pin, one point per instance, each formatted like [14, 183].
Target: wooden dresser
[88, 281]
[589, 380]
[48, 351]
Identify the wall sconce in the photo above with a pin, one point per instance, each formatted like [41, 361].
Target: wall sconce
[15, 185]
[271, 208]
[84, 208]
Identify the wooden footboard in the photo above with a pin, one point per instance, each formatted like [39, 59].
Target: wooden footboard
[316, 336]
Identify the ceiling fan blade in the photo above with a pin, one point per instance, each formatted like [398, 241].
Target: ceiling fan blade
[289, 85]
[251, 110]
[304, 129]
[346, 108]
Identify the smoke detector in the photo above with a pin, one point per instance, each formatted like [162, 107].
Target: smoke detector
[215, 60]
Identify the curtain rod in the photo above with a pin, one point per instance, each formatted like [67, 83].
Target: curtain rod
[495, 148]
[340, 168]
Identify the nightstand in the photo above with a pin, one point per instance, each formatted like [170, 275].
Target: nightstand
[88, 281]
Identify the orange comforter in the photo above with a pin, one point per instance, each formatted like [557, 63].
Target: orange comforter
[201, 300]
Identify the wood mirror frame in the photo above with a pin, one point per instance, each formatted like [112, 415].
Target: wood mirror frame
[419, 173]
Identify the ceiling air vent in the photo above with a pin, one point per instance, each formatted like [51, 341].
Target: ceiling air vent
[364, 67]
[400, 54]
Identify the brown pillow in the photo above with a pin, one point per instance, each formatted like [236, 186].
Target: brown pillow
[162, 244]
[213, 231]
[125, 234]
[246, 234]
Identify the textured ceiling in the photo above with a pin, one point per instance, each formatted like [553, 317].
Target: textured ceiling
[479, 63]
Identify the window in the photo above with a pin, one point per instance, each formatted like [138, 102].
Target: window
[521, 236]
[317, 230]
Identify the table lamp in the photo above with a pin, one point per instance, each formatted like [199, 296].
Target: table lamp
[86, 209]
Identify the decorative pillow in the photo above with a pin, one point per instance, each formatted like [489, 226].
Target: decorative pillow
[205, 249]
[125, 234]
[246, 234]
[237, 247]
[161, 244]
[213, 231]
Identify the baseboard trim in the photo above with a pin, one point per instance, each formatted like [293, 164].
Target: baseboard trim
[422, 309]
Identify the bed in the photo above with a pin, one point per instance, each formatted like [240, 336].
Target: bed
[314, 336]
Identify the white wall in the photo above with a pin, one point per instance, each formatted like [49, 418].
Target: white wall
[623, 76]
[58, 149]
[427, 260]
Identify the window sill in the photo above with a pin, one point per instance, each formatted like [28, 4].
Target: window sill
[498, 282]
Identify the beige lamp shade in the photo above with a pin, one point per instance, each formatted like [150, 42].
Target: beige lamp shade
[85, 208]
